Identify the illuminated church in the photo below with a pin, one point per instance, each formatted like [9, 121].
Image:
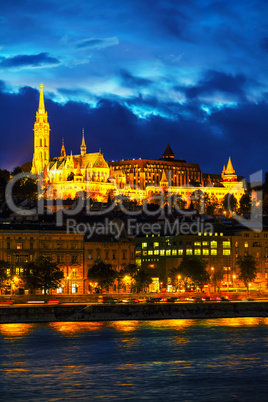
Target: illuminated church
[68, 175]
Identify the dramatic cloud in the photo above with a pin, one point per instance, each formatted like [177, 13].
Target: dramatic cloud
[239, 132]
[137, 75]
[97, 43]
[33, 60]
[217, 82]
[129, 80]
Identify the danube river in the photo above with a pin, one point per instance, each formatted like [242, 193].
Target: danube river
[172, 360]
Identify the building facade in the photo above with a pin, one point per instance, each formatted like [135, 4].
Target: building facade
[67, 176]
[159, 255]
[256, 245]
[73, 255]
[141, 173]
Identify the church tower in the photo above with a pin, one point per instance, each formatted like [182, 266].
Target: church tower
[83, 147]
[41, 137]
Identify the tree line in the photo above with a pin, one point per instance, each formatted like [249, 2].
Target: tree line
[44, 274]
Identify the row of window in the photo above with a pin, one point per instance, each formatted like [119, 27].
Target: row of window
[58, 258]
[213, 244]
[188, 251]
[44, 246]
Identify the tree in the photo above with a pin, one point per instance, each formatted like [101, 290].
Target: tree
[178, 202]
[4, 178]
[42, 274]
[229, 203]
[211, 204]
[195, 268]
[197, 200]
[128, 273]
[102, 273]
[248, 269]
[245, 203]
[216, 277]
[4, 265]
[25, 188]
[142, 279]
[16, 170]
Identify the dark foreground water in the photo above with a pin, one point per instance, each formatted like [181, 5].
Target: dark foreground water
[172, 360]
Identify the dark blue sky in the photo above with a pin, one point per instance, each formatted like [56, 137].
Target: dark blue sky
[138, 74]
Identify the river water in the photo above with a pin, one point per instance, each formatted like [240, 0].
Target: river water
[172, 360]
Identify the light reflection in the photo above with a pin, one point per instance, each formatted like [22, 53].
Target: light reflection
[73, 328]
[125, 326]
[16, 330]
[177, 325]
[235, 322]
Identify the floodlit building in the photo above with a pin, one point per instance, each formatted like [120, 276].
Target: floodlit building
[73, 255]
[66, 176]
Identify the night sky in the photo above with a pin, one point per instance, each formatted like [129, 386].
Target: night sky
[137, 75]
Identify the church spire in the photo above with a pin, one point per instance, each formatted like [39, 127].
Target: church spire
[164, 181]
[229, 168]
[83, 147]
[63, 151]
[41, 137]
[41, 108]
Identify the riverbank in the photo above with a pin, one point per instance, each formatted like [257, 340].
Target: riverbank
[106, 312]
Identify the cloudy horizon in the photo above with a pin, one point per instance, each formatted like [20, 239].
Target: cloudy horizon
[136, 76]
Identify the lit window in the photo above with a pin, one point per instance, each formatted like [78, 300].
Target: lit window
[189, 251]
[19, 246]
[197, 251]
[174, 252]
[205, 243]
[226, 244]
[213, 252]
[246, 244]
[180, 252]
[197, 243]
[162, 252]
[150, 252]
[205, 251]
[213, 244]
[226, 252]
[168, 252]
[144, 252]
[144, 245]
[156, 244]
[156, 252]
[74, 288]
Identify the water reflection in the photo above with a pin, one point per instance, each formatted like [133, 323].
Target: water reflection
[177, 325]
[234, 322]
[10, 331]
[74, 328]
[125, 326]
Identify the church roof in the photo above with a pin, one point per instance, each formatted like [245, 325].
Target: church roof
[84, 161]
[168, 152]
[229, 169]
[164, 177]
